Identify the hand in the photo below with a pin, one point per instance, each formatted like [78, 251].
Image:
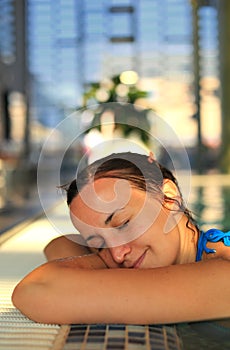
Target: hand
[107, 258]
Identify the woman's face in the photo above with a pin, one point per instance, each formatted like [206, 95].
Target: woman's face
[131, 223]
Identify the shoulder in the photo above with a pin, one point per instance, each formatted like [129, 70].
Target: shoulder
[214, 243]
[221, 251]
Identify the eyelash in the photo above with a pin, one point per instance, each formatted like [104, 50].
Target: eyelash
[100, 249]
[123, 225]
[119, 228]
[94, 245]
[102, 246]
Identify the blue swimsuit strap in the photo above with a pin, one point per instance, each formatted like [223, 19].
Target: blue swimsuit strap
[212, 235]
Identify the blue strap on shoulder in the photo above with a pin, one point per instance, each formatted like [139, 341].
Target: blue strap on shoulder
[212, 235]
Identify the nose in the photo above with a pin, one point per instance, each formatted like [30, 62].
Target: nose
[119, 253]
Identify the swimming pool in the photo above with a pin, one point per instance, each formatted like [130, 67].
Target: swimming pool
[209, 201]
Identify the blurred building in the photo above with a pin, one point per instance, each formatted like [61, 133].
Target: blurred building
[50, 51]
[13, 73]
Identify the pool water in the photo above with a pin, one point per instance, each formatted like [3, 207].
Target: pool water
[209, 201]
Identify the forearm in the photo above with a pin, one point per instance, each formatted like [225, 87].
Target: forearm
[65, 246]
[162, 295]
[29, 288]
[75, 246]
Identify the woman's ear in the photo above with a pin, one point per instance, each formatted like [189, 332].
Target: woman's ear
[171, 191]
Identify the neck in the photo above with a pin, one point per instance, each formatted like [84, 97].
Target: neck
[188, 242]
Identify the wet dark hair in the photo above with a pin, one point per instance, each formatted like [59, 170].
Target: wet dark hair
[142, 174]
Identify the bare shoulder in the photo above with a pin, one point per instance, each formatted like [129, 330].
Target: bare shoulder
[221, 251]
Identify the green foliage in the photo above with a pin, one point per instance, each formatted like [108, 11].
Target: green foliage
[111, 88]
[128, 117]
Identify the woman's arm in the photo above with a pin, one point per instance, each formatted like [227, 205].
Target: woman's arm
[84, 257]
[57, 292]
[64, 246]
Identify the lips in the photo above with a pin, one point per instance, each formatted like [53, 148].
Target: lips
[139, 261]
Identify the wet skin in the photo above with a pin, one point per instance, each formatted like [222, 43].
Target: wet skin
[131, 223]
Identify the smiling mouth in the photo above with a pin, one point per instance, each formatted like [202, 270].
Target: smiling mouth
[139, 261]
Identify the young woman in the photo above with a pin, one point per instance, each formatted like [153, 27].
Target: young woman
[140, 257]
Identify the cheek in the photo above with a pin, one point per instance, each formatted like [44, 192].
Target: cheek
[136, 231]
[146, 230]
[166, 246]
[152, 216]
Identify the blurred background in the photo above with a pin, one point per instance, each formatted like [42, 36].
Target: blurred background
[167, 56]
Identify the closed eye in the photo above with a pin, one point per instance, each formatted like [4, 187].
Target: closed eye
[120, 227]
[100, 249]
[95, 242]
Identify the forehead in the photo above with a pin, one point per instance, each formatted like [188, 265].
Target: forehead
[104, 196]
